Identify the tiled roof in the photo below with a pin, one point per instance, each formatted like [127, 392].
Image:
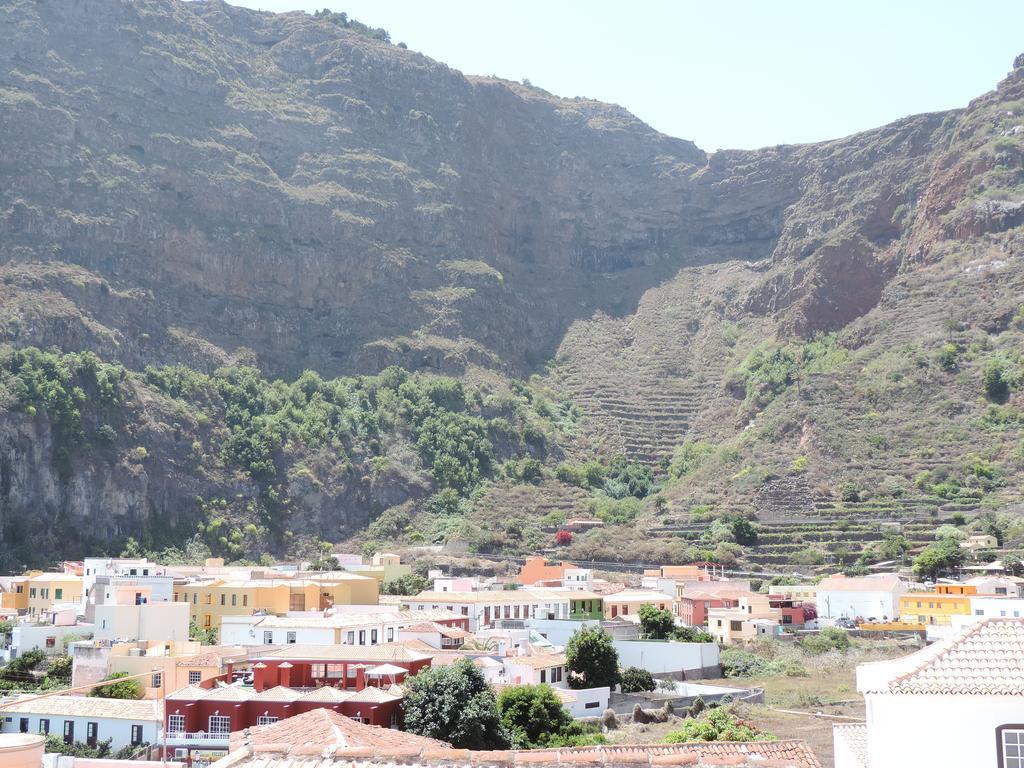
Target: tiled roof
[372, 653]
[343, 620]
[455, 633]
[838, 583]
[86, 706]
[986, 658]
[211, 659]
[279, 693]
[324, 729]
[539, 661]
[492, 597]
[852, 739]
[793, 753]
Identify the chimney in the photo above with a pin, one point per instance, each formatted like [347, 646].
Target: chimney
[259, 676]
[285, 674]
[360, 677]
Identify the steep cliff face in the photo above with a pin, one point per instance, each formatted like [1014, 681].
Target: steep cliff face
[201, 184]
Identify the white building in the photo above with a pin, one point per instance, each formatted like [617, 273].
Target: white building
[46, 636]
[339, 628]
[959, 702]
[86, 719]
[867, 596]
[485, 608]
[145, 622]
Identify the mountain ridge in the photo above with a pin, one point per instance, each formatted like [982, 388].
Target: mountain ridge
[204, 185]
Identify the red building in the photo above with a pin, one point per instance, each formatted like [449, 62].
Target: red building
[343, 666]
[793, 611]
[693, 606]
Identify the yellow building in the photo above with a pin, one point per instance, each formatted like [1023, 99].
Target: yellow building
[210, 600]
[46, 590]
[936, 608]
[16, 598]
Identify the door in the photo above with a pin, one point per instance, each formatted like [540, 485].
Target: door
[69, 731]
[91, 734]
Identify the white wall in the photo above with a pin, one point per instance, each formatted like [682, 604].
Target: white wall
[107, 728]
[850, 604]
[590, 702]
[664, 657]
[908, 730]
[150, 621]
[32, 637]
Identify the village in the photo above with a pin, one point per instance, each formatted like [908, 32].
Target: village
[115, 659]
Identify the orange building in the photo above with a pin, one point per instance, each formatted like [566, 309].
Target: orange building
[537, 569]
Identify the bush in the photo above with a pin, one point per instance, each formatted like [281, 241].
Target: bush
[737, 662]
[718, 724]
[995, 381]
[636, 680]
[656, 623]
[563, 538]
[829, 639]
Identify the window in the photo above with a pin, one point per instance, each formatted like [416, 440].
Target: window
[194, 677]
[234, 600]
[350, 638]
[92, 733]
[592, 705]
[223, 598]
[735, 626]
[978, 612]
[290, 638]
[373, 637]
[44, 726]
[543, 676]
[245, 600]
[175, 597]
[1010, 739]
[268, 636]
[176, 723]
[394, 721]
[23, 725]
[133, 572]
[266, 720]
[220, 725]
[136, 735]
[362, 637]
[69, 731]
[556, 675]
[157, 681]
[58, 593]
[195, 598]
[21, 589]
[207, 621]
[391, 634]
[32, 592]
[51, 642]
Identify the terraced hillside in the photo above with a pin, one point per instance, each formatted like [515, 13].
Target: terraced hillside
[668, 339]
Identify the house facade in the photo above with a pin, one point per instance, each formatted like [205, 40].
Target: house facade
[85, 719]
[966, 691]
[866, 597]
[488, 607]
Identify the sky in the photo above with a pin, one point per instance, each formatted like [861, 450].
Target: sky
[723, 73]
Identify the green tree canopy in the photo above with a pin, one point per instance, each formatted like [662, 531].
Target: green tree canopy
[938, 558]
[636, 680]
[591, 659]
[717, 724]
[532, 715]
[120, 689]
[454, 704]
[409, 584]
[656, 623]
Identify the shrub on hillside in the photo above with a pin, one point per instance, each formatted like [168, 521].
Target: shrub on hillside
[636, 680]
[829, 639]
[718, 724]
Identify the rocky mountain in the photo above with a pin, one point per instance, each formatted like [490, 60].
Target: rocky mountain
[194, 184]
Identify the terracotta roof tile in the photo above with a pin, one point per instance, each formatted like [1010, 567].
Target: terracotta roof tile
[324, 729]
[85, 706]
[986, 658]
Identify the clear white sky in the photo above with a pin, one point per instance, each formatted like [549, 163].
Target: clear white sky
[723, 73]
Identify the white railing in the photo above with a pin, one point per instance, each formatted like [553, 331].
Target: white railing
[200, 738]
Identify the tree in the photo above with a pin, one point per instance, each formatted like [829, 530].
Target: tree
[636, 680]
[1013, 565]
[938, 558]
[205, 635]
[532, 714]
[691, 635]
[949, 532]
[994, 379]
[563, 538]
[409, 584]
[655, 623]
[121, 689]
[591, 659]
[454, 704]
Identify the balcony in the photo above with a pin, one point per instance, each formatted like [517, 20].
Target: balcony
[201, 739]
